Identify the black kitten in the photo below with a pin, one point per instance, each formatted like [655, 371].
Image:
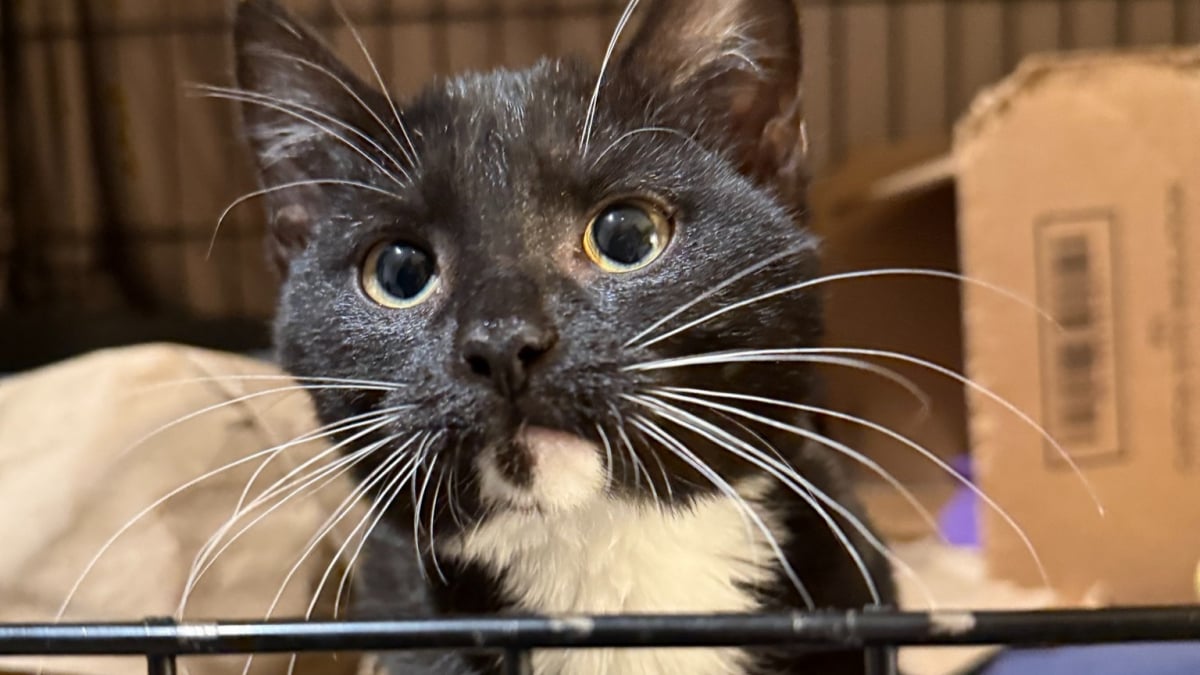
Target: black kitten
[564, 278]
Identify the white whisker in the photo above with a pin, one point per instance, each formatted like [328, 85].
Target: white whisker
[899, 271]
[676, 447]
[313, 382]
[913, 389]
[643, 470]
[419, 457]
[768, 447]
[417, 504]
[388, 496]
[453, 496]
[662, 470]
[292, 58]
[639, 468]
[373, 420]
[108, 544]
[802, 353]
[652, 429]
[383, 88]
[329, 473]
[590, 118]
[888, 374]
[212, 242]
[677, 394]
[657, 460]
[334, 518]
[217, 406]
[643, 130]
[801, 487]
[433, 512]
[290, 109]
[608, 458]
[900, 438]
[753, 269]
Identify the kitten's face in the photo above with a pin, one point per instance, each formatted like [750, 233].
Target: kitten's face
[511, 277]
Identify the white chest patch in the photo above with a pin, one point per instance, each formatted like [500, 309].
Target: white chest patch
[610, 557]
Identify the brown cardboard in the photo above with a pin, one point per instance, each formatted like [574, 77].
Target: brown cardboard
[1079, 189]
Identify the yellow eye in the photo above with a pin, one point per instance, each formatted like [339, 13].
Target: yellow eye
[399, 275]
[626, 236]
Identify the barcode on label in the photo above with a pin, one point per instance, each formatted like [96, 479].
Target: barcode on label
[1075, 284]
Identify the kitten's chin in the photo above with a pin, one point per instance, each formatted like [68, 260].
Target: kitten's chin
[561, 472]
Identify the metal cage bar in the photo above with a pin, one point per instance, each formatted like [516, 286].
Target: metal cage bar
[879, 632]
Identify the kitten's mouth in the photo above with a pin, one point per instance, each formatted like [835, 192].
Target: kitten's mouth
[542, 469]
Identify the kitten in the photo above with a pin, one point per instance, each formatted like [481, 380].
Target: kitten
[528, 259]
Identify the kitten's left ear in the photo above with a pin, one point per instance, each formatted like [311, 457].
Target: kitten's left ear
[309, 120]
[742, 58]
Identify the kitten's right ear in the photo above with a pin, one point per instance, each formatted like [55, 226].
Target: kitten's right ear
[307, 117]
[739, 60]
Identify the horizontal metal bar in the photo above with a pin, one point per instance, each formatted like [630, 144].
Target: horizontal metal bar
[830, 629]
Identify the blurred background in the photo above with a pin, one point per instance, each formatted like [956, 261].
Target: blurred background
[112, 175]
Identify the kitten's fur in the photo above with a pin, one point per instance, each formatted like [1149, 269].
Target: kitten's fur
[501, 191]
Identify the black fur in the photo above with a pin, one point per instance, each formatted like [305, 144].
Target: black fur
[501, 194]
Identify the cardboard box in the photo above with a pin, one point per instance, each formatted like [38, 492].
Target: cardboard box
[1079, 189]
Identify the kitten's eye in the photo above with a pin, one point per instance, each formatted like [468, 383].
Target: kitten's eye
[399, 275]
[626, 236]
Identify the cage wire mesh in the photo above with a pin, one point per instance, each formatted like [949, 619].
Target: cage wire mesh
[114, 175]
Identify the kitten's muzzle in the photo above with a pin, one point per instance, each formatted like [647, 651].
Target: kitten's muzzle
[505, 352]
[542, 469]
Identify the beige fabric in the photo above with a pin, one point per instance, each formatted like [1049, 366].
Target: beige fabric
[72, 473]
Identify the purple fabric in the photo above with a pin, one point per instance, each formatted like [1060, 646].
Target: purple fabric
[1138, 659]
[959, 519]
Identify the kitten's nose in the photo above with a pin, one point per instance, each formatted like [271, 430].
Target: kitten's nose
[505, 351]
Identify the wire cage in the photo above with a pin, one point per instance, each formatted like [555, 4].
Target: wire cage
[878, 633]
[113, 176]
[112, 179]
